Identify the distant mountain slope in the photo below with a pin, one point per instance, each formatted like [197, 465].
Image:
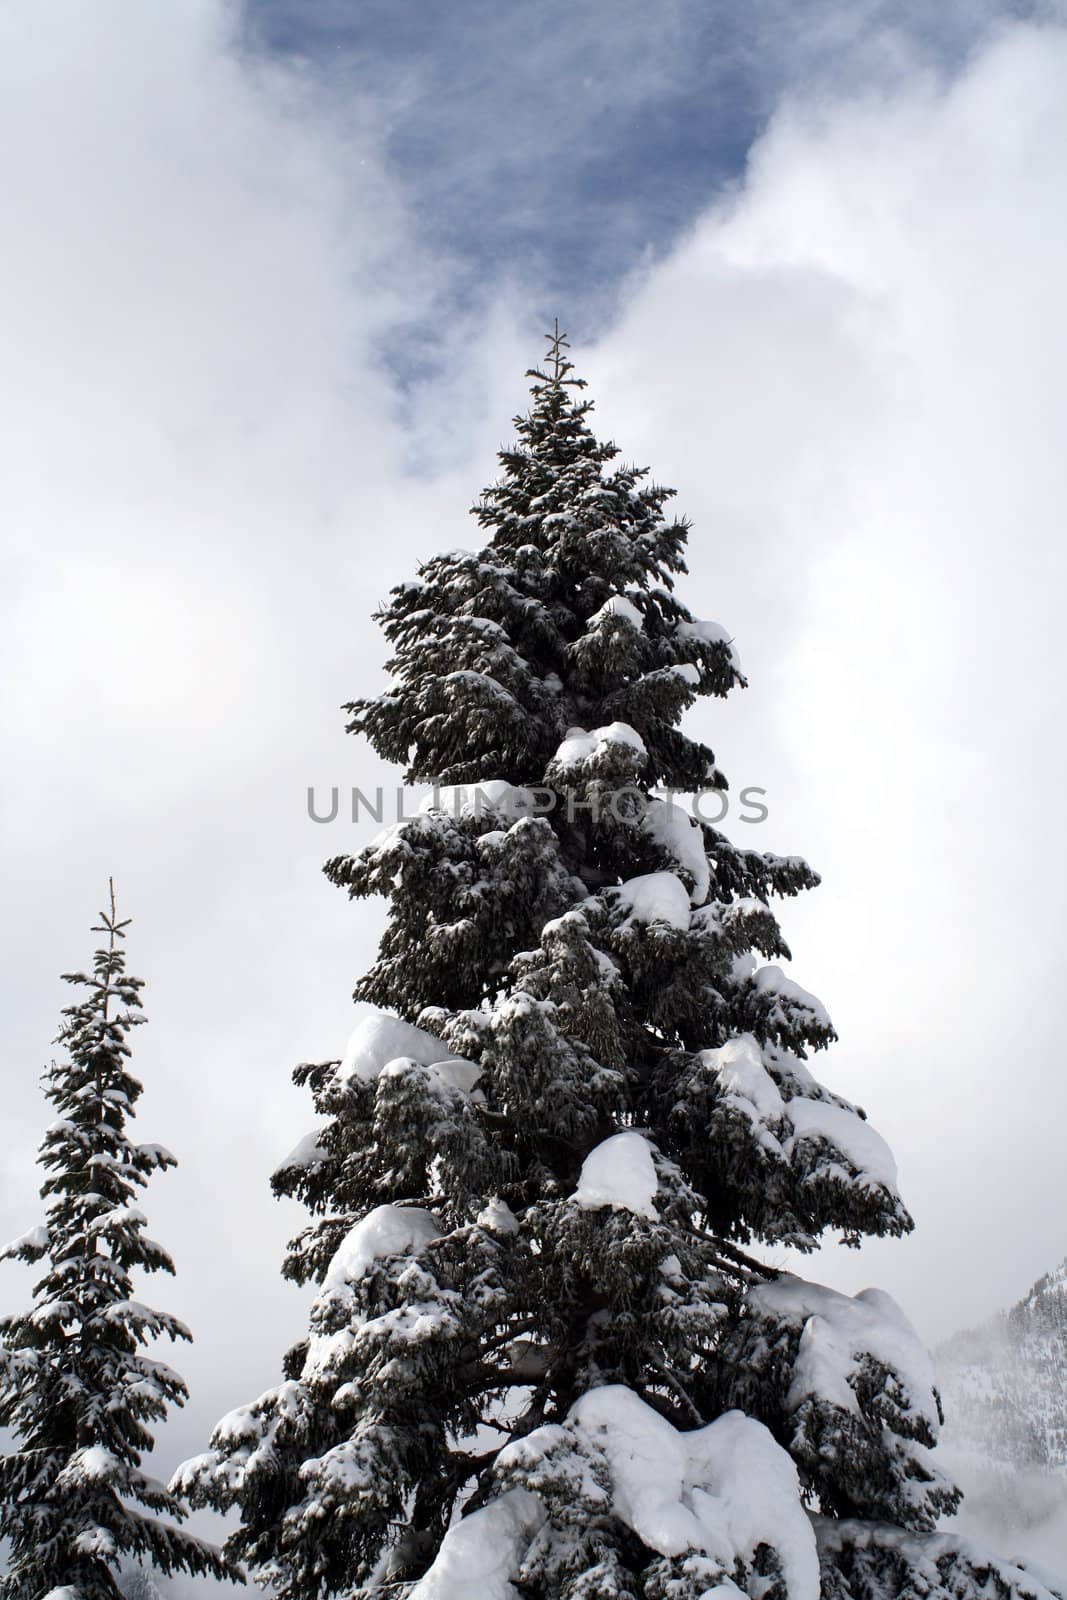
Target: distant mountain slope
[1004, 1384]
[1004, 1388]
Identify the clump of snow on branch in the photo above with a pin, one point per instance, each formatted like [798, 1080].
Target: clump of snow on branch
[385, 1231]
[681, 837]
[655, 897]
[620, 1173]
[787, 997]
[30, 1246]
[838, 1332]
[480, 1555]
[843, 1128]
[306, 1152]
[781, 1123]
[722, 1491]
[381, 1045]
[496, 797]
[745, 1083]
[380, 1039]
[618, 606]
[709, 633]
[581, 747]
[497, 1217]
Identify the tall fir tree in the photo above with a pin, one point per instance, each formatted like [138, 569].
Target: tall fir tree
[76, 1388]
[541, 1361]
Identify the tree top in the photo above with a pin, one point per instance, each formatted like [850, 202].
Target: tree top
[556, 359]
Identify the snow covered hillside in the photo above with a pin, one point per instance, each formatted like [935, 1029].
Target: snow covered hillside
[1004, 1386]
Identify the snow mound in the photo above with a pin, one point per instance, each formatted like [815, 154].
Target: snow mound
[744, 1080]
[656, 897]
[683, 838]
[580, 746]
[497, 1217]
[838, 1330]
[849, 1133]
[380, 1038]
[721, 1490]
[32, 1245]
[619, 606]
[93, 1464]
[451, 1074]
[709, 633]
[495, 796]
[780, 1125]
[619, 1173]
[307, 1152]
[789, 995]
[385, 1231]
[480, 1554]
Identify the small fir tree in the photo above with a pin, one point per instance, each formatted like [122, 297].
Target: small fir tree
[541, 1362]
[76, 1389]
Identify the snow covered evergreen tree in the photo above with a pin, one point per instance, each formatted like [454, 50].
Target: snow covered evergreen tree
[76, 1389]
[541, 1361]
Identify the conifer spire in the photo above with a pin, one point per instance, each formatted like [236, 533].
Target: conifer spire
[561, 364]
[77, 1390]
[557, 344]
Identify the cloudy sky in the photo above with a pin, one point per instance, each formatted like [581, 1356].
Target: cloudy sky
[269, 284]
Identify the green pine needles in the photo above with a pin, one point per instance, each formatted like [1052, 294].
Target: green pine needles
[543, 1360]
[77, 1389]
